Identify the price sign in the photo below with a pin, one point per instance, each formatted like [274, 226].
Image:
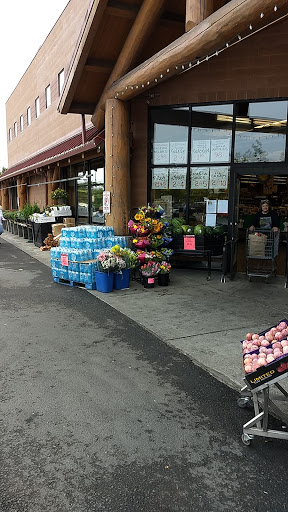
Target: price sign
[160, 178]
[178, 152]
[220, 150]
[199, 178]
[161, 153]
[64, 260]
[201, 151]
[219, 177]
[189, 243]
[106, 201]
[177, 179]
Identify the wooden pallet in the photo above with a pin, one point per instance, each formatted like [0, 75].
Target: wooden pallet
[67, 282]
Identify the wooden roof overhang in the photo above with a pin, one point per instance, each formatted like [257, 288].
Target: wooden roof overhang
[119, 54]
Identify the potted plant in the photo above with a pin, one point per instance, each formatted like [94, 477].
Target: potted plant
[164, 272]
[149, 271]
[59, 195]
[107, 264]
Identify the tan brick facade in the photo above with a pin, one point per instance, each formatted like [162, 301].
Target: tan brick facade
[53, 56]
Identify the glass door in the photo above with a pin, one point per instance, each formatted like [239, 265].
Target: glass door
[97, 186]
[82, 197]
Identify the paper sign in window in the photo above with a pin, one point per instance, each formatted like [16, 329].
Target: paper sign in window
[177, 178]
[160, 179]
[64, 260]
[211, 206]
[178, 152]
[201, 151]
[222, 206]
[210, 219]
[161, 153]
[199, 178]
[219, 177]
[189, 243]
[220, 150]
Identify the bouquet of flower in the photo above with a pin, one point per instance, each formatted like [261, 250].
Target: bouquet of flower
[143, 256]
[152, 211]
[141, 243]
[167, 253]
[107, 261]
[138, 229]
[126, 254]
[155, 241]
[164, 267]
[150, 269]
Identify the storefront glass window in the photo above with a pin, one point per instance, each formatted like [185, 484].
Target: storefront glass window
[83, 197]
[208, 197]
[170, 136]
[97, 187]
[169, 187]
[260, 131]
[211, 136]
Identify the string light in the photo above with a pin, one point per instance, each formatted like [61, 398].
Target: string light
[185, 67]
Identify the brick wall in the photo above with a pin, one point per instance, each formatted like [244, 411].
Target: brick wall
[54, 55]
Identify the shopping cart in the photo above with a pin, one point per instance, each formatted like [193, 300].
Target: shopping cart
[261, 253]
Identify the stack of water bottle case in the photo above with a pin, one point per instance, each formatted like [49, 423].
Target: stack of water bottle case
[74, 261]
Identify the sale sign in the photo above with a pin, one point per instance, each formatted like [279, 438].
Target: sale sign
[177, 178]
[64, 260]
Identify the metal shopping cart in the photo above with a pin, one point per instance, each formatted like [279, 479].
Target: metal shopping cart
[261, 253]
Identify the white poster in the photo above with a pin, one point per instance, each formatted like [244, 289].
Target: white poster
[178, 152]
[211, 206]
[160, 178]
[106, 201]
[177, 178]
[161, 153]
[219, 177]
[210, 219]
[199, 178]
[201, 151]
[222, 206]
[220, 150]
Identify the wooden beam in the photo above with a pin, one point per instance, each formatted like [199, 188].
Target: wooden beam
[122, 9]
[197, 11]
[92, 24]
[99, 65]
[117, 164]
[206, 37]
[147, 17]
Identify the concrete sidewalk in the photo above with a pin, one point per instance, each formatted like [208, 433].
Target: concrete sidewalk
[203, 319]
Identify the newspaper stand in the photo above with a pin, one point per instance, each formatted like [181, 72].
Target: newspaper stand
[261, 252]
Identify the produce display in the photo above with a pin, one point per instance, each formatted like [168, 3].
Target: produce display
[261, 350]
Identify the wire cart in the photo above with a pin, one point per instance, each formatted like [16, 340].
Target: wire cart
[263, 399]
[261, 253]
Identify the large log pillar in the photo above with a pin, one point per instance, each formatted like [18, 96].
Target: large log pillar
[50, 189]
[197, 11]
[117, 164]
[21, 192]
[54, 174]
[5, 196]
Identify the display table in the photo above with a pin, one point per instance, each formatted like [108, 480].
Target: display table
[40, 232]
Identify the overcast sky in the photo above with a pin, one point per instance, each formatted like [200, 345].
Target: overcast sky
[24, 25]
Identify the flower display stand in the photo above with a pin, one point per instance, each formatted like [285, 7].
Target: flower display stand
[104, 281]
[122, 279]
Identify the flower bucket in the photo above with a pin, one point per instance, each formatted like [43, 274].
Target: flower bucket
[148, 281]
[104, 281]
[163, 279]
[121, 279]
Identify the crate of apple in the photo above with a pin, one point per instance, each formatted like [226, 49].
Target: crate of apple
[275, 334]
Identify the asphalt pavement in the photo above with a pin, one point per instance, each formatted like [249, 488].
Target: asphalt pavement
[98, 414]
[205, 320]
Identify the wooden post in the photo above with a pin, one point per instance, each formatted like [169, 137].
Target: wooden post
[22, 192]
[5, 196]
[197, 11]
[50, 186]
[147, 17]
[117, 164]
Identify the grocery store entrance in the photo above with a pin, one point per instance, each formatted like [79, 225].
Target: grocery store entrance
[250, 187]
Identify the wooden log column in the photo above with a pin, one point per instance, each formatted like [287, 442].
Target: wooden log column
[197, 11]
[117, 164]
[22, 191]
[5, 196]
[50, 189]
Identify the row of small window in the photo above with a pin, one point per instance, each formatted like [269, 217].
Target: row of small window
[37, 107]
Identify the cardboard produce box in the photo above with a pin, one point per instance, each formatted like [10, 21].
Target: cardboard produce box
[56, 229]
[69, 222]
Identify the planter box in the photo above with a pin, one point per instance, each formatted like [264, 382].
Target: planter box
[213, 243]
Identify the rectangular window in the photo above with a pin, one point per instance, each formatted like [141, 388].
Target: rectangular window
[37, 107]
[28, 116]
[10, 134]
[15, 129]
[21, 123]
[60, 81]
[48, 96]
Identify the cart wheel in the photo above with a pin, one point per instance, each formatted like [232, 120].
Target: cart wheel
[222, 280]
[243, 402]
[246, 439]
[286, 285]
[209, 278]
[266, 281]
[249, 279]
